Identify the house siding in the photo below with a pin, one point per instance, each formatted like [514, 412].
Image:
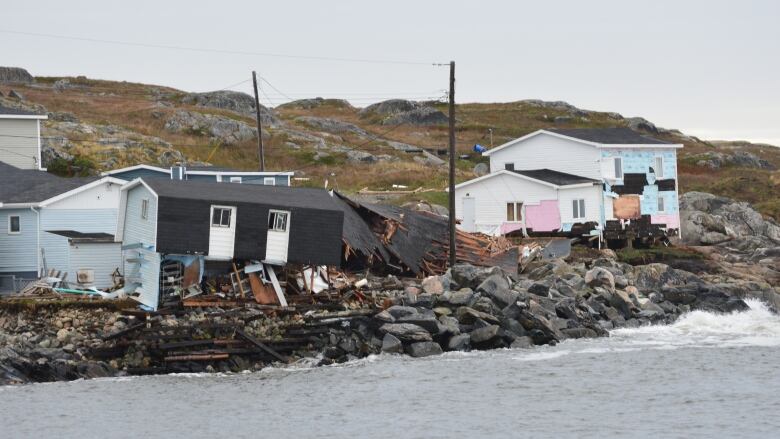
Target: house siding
[19, 144]
[56, 247]
[550, 152]
[19, 252]
[103, 258]
[137, 229]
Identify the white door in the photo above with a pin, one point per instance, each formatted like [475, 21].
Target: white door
[469, 212]
[278, 236]
[222, 234]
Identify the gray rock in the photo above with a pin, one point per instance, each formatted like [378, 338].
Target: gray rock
[461, 342]
[481, 169]
[392, 345]
[406, 332]
[398, 311]
[232, 100]
[465, 275]
[424, 349]
[600, 277]
[497, 288]
[468, 316]
[425, 321]
[10, 75]
[308, 104]
[449, 326]
[579, 333]
[434, 285]
[331, 125]
[354, 155]
[423, 116]
[219, 128]
[485, 337]
[385, 317]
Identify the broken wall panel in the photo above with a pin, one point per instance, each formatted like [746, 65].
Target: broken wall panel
[632, 184]
[544, 217]
[627, 207]
[668, 184]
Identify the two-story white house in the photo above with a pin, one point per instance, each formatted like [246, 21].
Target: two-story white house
[20, 138]
[558, 180]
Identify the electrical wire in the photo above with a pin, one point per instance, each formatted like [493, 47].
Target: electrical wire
[222, 51]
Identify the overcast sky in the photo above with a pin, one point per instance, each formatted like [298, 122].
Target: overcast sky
[709, 68]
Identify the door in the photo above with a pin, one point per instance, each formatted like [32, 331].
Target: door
[222, 233]
[469, 212]
[278, 236]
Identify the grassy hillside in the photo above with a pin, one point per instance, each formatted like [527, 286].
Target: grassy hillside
[111, 124]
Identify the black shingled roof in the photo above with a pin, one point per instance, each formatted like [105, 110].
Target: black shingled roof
[31, 186]
[16, 112]
[84, 237]
[609, 136]
[307, 198]
[555, 177]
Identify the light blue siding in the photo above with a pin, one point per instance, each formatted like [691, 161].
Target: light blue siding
[137, 229]
[280, 180]
[19, 252]
[103, 258]
[636, 161]
[56, 247]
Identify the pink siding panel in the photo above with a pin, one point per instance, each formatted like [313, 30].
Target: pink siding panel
[544, 217]
[510, 227]
[672, 221]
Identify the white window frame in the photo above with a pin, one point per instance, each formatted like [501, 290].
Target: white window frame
[11, 232]
[509, 166]
[277, 216]
[578, 208]
[659, 170]
[661, 207]
[236, 180]
[145, 209]
[230, 211]
[272, 181]
[617, 163]
[515, 206]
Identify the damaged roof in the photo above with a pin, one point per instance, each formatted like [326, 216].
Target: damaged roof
[609, 136]
[308, 198]
[554, 177]
[76, 237]
[356, 233]
[32, 186]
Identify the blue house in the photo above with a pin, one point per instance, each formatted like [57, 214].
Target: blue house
[66, 224]
[202, 173]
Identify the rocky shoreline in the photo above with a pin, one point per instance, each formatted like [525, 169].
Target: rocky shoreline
[468, 308]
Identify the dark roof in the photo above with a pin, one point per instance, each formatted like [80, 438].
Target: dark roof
[16, 112]
[555, 177]
[307, 198]
[31, 186]
[75, 236]
[609, 136]
[211, 168]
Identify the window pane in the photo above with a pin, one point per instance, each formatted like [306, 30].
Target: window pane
[618, 167]
[659, 167]
[281, 222]
[660, 204]
[582, 208]
[216, 217]
[15, 224]
[226, 217]
[575, 209]
[519, 211]
[509, 166]
[271, 220]
[510, 212]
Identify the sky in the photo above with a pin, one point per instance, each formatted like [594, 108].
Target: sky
[709, 68]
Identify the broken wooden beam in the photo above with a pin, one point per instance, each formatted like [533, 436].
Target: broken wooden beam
[261, 345]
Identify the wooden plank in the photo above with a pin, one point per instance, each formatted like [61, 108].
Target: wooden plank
[198, 357]
[238, 278]
[261, 345]
[264, 294]
[275, 283]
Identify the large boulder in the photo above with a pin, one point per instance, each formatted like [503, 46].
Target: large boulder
[406, 332]
[424, 349]
[219, 128]
[234, 101]
[497, 288]
[391, 344]
[15, 75]
[331, 125]
[600, 277]
[401, 111]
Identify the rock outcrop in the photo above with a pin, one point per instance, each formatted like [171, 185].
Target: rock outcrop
[15, 75]
[218, 128]
[401, 111]
[742, 159]
[234, 101]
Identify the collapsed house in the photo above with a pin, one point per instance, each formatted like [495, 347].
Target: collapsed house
[608, 183]
[176, 234]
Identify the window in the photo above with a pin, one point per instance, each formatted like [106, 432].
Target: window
[578, 209]
[618, 168]
[14, 224]
[661, 206]
[658, 167]
[145, 208]
[220, 216]
[509, 166]
[269, 181]
[514, 212]
[277, 220]
[235, 179]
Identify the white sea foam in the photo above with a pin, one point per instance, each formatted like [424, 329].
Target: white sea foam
[541, 356]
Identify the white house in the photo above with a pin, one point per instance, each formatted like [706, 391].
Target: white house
[20, 138]
[554, 180]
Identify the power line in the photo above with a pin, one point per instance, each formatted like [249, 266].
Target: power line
[223, 51]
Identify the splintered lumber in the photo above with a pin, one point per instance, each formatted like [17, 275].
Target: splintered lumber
[238, 280]
[264, 294]
[198, 357]
[261, 345]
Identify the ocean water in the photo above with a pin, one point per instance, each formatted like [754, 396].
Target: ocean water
[706, 375]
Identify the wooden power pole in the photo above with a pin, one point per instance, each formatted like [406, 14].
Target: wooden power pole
[452, 163]
[260, 152]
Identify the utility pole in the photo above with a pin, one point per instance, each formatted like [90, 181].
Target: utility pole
[260, 152]
[452, 163]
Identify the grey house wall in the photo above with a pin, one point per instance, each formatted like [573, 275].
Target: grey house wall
[19, 252]
[19, 143]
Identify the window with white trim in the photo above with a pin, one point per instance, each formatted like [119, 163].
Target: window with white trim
[618, 167]
[658, 167]
[278, 220]
[220, 216]
[235, 179]
[145, 208]
[509, 166]
[14, 224]
[269, 181]
[661, 204]
[514, 212]
[578, 209]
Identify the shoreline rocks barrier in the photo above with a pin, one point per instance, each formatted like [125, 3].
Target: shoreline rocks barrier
[468, 308]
